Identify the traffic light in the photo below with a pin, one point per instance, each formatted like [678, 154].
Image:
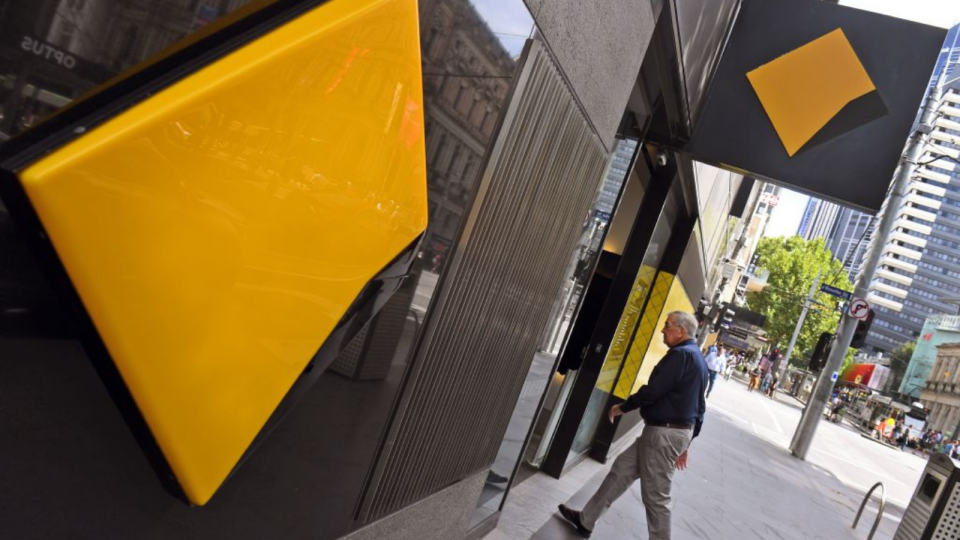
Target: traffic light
[820, 353]
[860, 334]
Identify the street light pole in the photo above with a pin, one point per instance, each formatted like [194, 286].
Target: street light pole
[803, 437]
[785, 360]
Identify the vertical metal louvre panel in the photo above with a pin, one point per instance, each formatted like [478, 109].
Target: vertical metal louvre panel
[493, 307]
[948, 527]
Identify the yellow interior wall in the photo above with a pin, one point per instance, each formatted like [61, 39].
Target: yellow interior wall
[625, 328]
[677, 300]
[646, 331]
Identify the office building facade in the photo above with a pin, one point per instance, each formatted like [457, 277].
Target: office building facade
[937, 330]
[819, 218]
[284, 269]
[919, 268]
[940, 392]
[425, 417]
[850, 239]
[847, 232]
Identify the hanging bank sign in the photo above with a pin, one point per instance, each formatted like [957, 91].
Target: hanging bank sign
[817, 97]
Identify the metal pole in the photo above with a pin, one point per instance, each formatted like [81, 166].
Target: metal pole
[785, 360]
[803, 437]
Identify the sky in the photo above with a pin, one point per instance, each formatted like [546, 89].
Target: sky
[509, 20]
[943, 13]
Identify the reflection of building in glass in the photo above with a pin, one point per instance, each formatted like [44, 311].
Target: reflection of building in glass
[53, 51]
[613, 180]
[467, 74]
[118, 34]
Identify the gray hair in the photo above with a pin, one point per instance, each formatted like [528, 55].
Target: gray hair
[686, 321]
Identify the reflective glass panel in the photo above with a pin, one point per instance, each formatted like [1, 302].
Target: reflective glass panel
[72, 460]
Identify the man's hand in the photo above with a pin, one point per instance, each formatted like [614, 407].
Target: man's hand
[681, 462]
[614, 412]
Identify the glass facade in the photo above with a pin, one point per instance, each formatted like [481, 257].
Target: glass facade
[583, 259]
[55, 51]
[623, 339]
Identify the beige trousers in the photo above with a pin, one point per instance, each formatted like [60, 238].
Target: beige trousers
[650, 458]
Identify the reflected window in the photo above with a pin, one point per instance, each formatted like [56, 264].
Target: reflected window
[57, 50]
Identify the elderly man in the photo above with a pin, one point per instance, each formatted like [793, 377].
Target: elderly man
[672, 404]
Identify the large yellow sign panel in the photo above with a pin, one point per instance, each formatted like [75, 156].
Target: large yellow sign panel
[806, 88]
[217, 231]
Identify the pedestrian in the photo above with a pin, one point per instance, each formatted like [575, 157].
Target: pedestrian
[767, 379]
[672, 405]
[772, 389]
[754, 379]
[715, 360]
[948, 448]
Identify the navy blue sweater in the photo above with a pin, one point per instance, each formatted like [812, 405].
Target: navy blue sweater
[675, 392]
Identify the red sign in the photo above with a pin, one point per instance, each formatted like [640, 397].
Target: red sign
[863, 371]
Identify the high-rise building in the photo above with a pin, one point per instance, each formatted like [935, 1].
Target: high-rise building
[819, 219]
[850, 238]
[919, 268]
[949, 57]
[844, 229]
[807, 216]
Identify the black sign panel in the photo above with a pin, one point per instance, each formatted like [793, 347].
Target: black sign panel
[849, 159]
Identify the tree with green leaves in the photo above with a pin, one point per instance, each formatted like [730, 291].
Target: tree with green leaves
[899, 360]
[793, 264]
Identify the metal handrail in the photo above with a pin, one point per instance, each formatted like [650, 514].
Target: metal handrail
[883, 503]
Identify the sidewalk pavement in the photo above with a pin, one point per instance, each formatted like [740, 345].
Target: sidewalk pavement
[738, 485]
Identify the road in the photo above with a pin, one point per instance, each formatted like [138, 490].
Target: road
[856, 461]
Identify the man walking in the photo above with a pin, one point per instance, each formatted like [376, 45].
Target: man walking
[716, 362]
[672, 405]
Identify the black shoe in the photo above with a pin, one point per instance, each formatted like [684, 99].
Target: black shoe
[495, 478]
[574, 518]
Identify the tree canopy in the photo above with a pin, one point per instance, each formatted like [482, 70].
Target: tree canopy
[793, 264]
[899, 360]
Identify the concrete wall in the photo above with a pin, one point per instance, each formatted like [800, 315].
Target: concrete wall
[599, 46]
[441, 516]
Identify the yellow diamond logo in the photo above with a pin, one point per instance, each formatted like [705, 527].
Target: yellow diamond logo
[816, 92]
